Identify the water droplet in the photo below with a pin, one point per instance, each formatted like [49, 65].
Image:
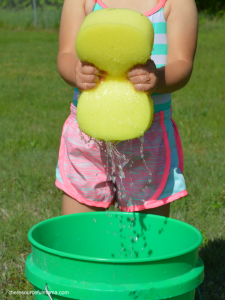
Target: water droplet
[135, 239]
[95, 220]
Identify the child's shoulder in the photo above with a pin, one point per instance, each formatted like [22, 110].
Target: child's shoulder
[176, 7]
[80, 5]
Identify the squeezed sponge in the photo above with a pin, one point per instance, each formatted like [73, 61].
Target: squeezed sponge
[115, 40]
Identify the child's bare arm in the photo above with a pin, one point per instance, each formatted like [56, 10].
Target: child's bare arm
[73, 71]
[182, 24]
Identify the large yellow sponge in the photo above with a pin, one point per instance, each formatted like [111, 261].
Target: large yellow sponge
[115, 40]
[114, 111]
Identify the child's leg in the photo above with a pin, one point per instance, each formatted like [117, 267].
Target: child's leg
[72, 206]
[163, 210]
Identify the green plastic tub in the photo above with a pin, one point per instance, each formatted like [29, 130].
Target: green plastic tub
[114, 255]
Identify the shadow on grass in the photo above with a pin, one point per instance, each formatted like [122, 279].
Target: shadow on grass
[213, 256]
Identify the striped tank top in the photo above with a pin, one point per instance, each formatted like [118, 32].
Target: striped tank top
[159, 52]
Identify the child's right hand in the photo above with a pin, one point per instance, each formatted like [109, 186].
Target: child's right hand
[87, 76]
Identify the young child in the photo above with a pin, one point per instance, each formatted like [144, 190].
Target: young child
[150, 184]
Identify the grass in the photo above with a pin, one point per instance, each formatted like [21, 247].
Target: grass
[34, 104]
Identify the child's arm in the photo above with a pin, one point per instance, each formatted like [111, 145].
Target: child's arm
[73, 71]
[182, 24]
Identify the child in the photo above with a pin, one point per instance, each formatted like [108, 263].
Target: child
[150, 184]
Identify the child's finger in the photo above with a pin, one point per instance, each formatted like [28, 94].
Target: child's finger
[137, 72]
[141, 87]
[89, 69]
[86, 86]
[140, 79]
[148, 86]
[90, 78]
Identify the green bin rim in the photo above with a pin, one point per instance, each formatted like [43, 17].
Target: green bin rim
[111, 260]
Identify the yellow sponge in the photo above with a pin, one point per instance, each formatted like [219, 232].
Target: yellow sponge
[115, 40]
[114, 111]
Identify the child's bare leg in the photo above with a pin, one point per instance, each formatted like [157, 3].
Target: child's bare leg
[163, 210]
[72, 206]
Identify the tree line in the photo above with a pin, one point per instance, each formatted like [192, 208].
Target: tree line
[208, 6]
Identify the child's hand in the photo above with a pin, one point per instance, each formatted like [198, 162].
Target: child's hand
[87, 76]
[144, 77]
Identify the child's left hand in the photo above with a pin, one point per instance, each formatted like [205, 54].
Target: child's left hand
[144, 77]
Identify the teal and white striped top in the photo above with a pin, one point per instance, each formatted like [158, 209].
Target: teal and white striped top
[159, 53]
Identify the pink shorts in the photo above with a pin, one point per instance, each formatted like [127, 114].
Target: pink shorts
[141, 175]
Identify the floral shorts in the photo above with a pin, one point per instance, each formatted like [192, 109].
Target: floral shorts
[134, 175]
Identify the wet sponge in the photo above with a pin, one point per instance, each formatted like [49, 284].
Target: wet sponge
[114, 111]
[115, 40]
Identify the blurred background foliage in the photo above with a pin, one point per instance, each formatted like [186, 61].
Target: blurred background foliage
[19, 4]
[212, 7]
[19, 14]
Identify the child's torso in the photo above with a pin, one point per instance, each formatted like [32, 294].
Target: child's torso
[159, 54]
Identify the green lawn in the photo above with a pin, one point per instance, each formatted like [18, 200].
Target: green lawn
[34, 103]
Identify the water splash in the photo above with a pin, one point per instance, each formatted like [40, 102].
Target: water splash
[135, 239]
[142, 139]
[115, 160]
[83, 138]
[131, 163]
